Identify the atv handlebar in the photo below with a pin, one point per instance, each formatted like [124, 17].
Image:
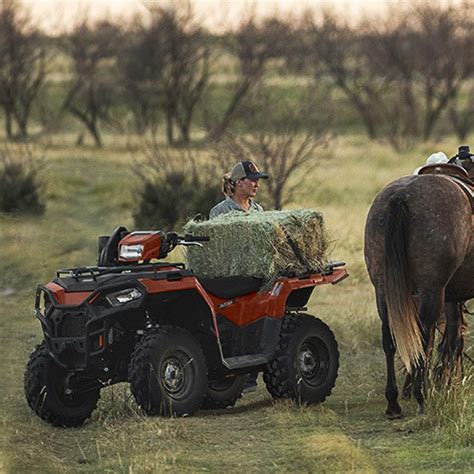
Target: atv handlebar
[195, 238]
[174, 239]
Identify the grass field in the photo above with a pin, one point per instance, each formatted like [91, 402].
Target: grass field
[90, 192]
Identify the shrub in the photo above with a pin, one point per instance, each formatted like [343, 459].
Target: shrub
[20, 185]
[175, 187]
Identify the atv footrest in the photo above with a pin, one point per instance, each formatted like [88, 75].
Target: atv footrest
[251, 360]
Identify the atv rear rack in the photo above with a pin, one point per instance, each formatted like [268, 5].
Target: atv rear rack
[330, 266]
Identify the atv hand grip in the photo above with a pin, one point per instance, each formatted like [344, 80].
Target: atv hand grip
[195, 238]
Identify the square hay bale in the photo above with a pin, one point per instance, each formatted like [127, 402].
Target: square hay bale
[259, 244]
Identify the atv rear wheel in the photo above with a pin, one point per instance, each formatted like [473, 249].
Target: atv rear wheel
[45, 392]
[305, 363]
[225, 392]
[168, 372]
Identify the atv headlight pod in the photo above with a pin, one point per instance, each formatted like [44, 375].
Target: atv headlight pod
[131, 252]
[123, 296]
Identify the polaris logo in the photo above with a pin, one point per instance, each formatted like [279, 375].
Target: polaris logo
[226, 303]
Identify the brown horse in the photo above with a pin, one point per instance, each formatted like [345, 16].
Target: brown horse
[419, 251]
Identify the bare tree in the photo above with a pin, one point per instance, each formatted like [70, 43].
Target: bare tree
[461, 108]
[444, 58]
[402, 73]
[288, 157]
[461, 113]
[387, 47]
[166, 65]
[427, 50]
[140, 65]
[187, 68]
[341, 50]
[22, 67]
[253, 45]
[90, 90]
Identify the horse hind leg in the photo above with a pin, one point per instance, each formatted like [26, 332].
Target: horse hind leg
[407, 387]
[430, 310]
[453, 343]
[393, 410]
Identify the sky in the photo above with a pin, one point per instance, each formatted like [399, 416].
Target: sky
[59, 15]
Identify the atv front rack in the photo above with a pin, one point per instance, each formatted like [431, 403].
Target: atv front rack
[94, 272]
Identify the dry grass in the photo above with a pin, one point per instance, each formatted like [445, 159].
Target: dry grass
[451, 408]
[90, 192]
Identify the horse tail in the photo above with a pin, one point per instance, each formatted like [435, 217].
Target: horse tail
[402, 310]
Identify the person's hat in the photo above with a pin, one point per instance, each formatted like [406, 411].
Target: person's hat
[437, 158]
[246, 169]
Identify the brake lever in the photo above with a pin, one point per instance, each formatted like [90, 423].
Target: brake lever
[182, 242]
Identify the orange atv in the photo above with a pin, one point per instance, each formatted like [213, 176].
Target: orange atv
[183, 342]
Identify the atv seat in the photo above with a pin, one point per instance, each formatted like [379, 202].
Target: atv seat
[230, 287]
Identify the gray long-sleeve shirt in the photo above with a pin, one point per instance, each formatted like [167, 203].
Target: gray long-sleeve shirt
[228, 205]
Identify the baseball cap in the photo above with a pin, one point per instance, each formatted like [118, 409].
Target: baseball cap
[246, 169]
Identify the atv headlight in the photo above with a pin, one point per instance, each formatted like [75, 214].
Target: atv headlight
[131, 252]
[124, 296]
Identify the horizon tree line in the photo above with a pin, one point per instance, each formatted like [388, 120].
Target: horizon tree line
[401, 74]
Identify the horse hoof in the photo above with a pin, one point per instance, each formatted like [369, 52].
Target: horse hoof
[393, 411]
[420, 410]
[406, 395]
[394, 415]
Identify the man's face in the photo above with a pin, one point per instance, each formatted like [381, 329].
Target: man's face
[249, 187]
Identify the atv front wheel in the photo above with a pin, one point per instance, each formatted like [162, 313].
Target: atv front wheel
[45, 392]
[225, 392]
[168, 372]
[305, 363]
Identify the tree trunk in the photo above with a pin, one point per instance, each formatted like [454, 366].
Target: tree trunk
[461, 122]
[22, 128]
[369, 124]
[435, 113]
[184, 127]
[241, 90]
[169, 127]
[90, 123]
[362, 108]
[277, 198]
[413, 125]
[428, 122]
[185, 133]
[141, 115]
[94, 130]
[8, 124]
